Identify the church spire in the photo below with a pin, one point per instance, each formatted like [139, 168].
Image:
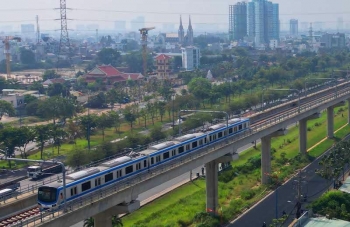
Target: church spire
[181, 32]
[190, 33]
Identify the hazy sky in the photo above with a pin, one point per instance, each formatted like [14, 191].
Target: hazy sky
[157, 12]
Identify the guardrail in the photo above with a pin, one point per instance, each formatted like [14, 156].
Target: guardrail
[130, 182]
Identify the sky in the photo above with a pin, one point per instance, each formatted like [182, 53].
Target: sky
[157, 12]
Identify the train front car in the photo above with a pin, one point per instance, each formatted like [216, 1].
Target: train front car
[48, 196]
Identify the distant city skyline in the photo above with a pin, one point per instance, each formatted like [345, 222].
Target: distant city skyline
[206, 15]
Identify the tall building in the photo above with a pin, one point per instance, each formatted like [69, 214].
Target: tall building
[120, 26]
[333, 40]
[181, 32]
[137, 23]
[190, 58]
[27, 30]
[340, 24]
[189, 40]
[262, 21]
[293, 27]
[238, 21]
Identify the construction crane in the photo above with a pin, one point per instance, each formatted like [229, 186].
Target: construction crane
[144, 35]
[6, 40]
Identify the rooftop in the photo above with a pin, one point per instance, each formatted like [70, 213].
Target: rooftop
[324, 222]
[346, 186]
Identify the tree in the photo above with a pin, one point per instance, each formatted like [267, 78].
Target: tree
[27, 136]
[58, 134]
[97, 101]
[37, 86]
[161, 108]
[103, 122]
[74, 130]
[57, 89]
[57, 107]
[6, 108]
[108, 56]
[200, 88]
[115, 120]
[29, 98]
[151, 109]
[90, 222]
[10, 139]
[87, 123]
[27, 57]
[117, 221]
[50, 74]
[130, 115]
[157, 133]
[42, 136]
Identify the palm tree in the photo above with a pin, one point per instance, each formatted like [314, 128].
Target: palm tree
[90, 222]
[116, 221]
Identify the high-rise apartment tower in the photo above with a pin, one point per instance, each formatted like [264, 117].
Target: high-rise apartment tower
[238, 21]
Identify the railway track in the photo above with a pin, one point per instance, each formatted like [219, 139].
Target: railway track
[20, 217]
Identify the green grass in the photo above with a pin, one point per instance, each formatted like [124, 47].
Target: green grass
[179, 208]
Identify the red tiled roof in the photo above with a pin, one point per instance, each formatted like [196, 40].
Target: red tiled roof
[162, 57]
[109, 70]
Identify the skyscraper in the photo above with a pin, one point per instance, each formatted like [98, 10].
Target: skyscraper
[238, 21]
[293, 27]
[262, 21]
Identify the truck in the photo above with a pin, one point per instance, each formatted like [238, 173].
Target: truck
[42, 170]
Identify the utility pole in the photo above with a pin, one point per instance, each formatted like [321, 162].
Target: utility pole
[298, 186]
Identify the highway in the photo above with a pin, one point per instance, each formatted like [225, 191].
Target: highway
[313, 186]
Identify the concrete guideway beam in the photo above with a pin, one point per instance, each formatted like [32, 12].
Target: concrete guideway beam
[303, 132]
[266, 154]
[104, 219]
[330, 119]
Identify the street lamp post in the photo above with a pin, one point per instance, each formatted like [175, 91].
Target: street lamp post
[63, 175]
[173, 99]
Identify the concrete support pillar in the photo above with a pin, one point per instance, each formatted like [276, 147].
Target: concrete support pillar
[303, 136]
[265, 159]
[330, 122]
[348, 111]
[103, 220]
[212, 185]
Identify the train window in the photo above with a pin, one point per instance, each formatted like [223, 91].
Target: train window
[119, 173]
[230, 130]
[97, 182]
[187, 147]
[235, 129]
[166, 155]
[73, 191]
[239, 127]
[129, 169]
[214, 137]
[205, 140]
[173, 152]
[85, 186]
[144, 163]
[194, 144]
[220, 135]
[181, 149]
[108, 177]
[152, 161]
[200, 142]
[210, 138]
[138, 166]
[158, 158]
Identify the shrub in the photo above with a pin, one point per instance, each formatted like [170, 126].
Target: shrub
[308, 129]
[247, 194]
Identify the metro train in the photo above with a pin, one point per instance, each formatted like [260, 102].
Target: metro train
[87, 181]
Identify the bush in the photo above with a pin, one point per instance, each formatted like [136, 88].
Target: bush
[157, 133]
[247, 194]
[309, 129]
[318, 124]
